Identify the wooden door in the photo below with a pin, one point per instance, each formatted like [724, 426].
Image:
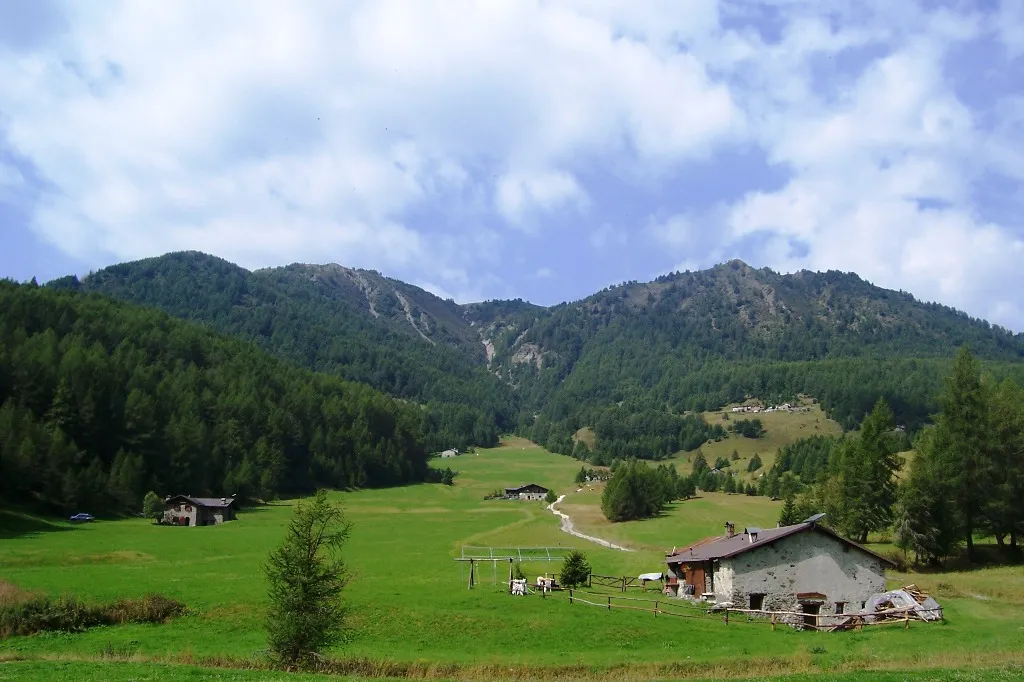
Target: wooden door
[696, 578]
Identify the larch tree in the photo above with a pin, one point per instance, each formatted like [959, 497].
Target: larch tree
[307, 574]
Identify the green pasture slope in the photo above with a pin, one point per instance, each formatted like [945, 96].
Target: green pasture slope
[410, 605]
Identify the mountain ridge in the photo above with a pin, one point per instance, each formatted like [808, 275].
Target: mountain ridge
[681, 342]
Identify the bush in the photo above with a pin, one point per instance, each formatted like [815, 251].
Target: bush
[897, 558]
[517, 571]
[153, 506]
[749, 428]
[152, 608]
[39, 613]
[550, 497]
[575, 570]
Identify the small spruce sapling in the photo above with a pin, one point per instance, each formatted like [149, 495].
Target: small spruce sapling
[575, 570]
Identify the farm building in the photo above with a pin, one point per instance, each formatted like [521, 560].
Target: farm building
[449, 453]
[183, 510]
[804, 568]
[530, 491]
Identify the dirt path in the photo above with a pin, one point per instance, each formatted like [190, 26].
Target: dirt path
[568, 527]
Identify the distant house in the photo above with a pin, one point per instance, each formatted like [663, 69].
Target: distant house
[805, 568]
[450, 453]
[530, 491]
[184, 510]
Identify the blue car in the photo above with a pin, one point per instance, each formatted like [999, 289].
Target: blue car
[82, 517]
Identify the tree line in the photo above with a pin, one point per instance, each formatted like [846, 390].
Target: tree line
[101, 401]
[965, 479]
[325, 328]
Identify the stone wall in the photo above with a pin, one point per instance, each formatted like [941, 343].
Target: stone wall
[811, 561]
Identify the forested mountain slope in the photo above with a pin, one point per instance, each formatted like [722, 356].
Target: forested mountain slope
[698, 340]
[356, 324]
[626, 361]
[102, 400]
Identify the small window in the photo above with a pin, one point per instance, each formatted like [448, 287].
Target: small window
[862, 605]
[840, 608]
[177, 507]
[188, 507]
[757, 602]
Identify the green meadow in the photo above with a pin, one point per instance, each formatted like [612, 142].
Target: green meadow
[781, 429]
[413, 616]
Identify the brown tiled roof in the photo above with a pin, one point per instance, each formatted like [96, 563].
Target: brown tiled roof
[216, 502]
[722, 547]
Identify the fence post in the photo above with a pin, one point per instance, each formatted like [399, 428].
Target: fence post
[655, 608]
[590, 581]
[773, 622]
[570, 596]
[623, 584]
[727, 616]
[906, 622]
[609, 603]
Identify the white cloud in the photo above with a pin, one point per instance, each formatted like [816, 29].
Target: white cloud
[881, 180]
[409, 136]
[606, 236]
[269, 132]
[678, 231]
[519, 193]
[543, 273]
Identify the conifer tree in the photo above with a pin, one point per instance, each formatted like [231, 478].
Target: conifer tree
[307, 575]
[962, 444]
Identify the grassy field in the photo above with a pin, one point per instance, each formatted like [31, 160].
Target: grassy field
[781, 429]
[411, 607]
[92, 671]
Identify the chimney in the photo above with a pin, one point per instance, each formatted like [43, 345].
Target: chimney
[752, 534]
[730, 529]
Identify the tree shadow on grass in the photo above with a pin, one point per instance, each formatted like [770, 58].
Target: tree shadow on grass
[989, 556]
[17, 524]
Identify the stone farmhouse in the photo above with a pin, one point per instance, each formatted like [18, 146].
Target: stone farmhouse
[530, 491]
[805, 568]
[447, 454]
[183, 510]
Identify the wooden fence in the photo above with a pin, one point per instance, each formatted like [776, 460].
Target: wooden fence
[679, 608]
[620, 583]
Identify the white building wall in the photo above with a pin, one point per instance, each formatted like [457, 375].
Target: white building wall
[805, 562]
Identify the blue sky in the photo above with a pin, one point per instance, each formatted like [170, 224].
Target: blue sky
[522, 148]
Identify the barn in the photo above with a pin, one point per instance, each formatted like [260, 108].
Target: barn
[530, 491]
[185, 510]
[806, 568]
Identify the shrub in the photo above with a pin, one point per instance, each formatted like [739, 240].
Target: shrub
[550, 497]
[152, 506]
[39, 613]
[899, 559]
[152, 608]
[517, 571]
[575, 569]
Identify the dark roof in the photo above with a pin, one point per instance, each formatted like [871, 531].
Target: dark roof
[523, 487]
[722, 547]
[218, 502]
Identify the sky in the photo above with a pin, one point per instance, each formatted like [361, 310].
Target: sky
[537, 149]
